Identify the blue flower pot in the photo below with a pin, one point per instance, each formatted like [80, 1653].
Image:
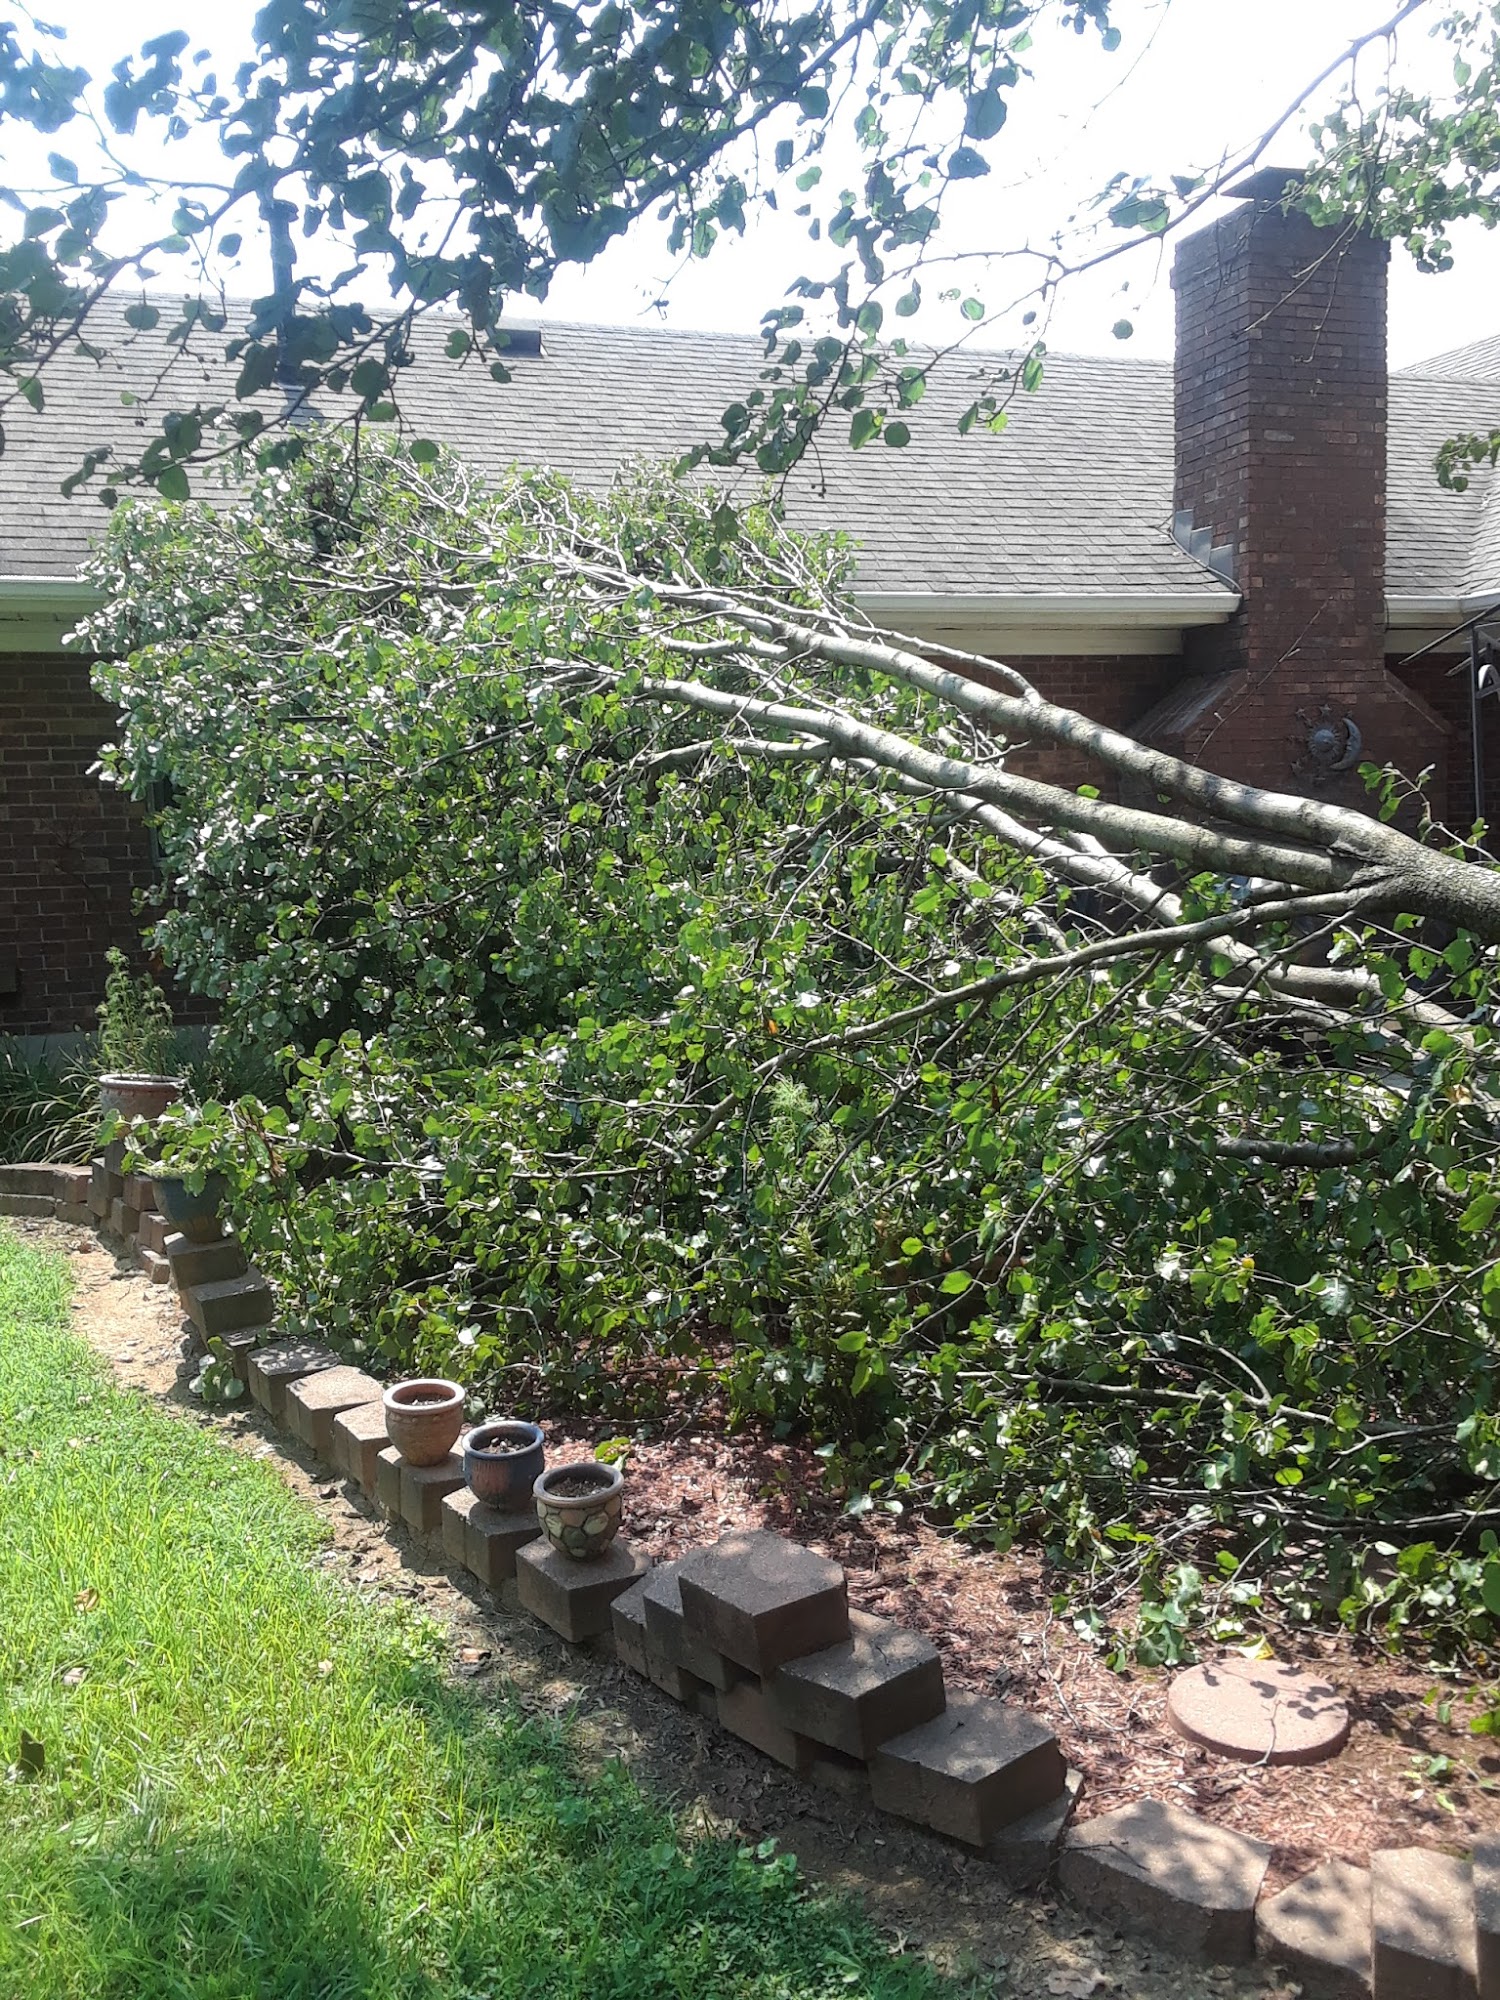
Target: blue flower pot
[195, 1215]
[502, 1463]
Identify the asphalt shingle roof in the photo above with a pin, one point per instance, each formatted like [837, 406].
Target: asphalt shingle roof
[1074, 498]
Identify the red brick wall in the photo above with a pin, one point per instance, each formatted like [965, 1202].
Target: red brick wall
[1115, 689]
[71, 852]
[1447, 693]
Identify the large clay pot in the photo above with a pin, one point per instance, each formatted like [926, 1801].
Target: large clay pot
[579, 1507]
[196, 1215]
[134, 1094]
[502, 1463]
[423, 1418]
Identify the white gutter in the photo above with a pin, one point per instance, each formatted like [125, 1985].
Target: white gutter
[1422, 610]
[47, 597]
[1059, 610]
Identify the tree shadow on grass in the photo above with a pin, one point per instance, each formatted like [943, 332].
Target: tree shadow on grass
[264, 1916]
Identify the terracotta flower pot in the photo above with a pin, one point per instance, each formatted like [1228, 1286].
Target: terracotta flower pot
[423, 1419]
[502, 1462]
[579, 1507]
[134, 1094]
[195, 1215]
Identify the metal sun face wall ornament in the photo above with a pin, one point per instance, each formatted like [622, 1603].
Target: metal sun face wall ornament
[1329, 748]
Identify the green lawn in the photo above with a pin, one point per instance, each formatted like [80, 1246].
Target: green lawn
[254, 1785]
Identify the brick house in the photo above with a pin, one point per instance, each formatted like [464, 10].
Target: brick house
[1244, 558]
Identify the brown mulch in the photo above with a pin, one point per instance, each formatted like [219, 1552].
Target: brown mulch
[991, 1617]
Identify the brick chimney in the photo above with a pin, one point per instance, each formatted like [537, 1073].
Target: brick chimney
[1281, 459]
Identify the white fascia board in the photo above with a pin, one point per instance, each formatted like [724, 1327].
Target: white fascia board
[35, 611]
[1084, 623]
[1038, 609]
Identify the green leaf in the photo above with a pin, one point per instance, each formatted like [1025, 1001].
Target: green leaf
[424, 451]
[956, 1282]
[985, 113]
[964, 164]
[972, 309]
[1123, 329]
[863, 426]
[1479, 1214]
[172, 483]
[897, 434]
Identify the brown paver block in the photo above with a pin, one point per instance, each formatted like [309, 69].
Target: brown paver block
[72, 1184]
[156, 1268]
[1422, 1926]
[32, 1204]
[971, 1770]
[1260, 1711]
[140, 1193]
[845, 1777]
[204, 1263]
[274, 1368]
[455, 1523]
[1151, 1867]
[1319, 1929]
[1486, 1886]
[123, 1220]
[239, 1347]
[20, 1178]
[113, 1157]
[423, 1489]
[104, 1187]
[359, 1437]
[495, 1540]
[677, 1682]
[153, 1233]
[574, 1598]
[229, 1303]
[1025, 1850]
[877, 1683]
[745, 1712]
[627, 1620]
[388, 1464]
[313, 1401]
[671, 1642]
[74, 1211]
[762, 1600]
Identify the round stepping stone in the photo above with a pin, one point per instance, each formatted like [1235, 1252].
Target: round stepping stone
[1260, 1711]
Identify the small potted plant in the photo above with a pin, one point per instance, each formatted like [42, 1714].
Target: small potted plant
[579, 1507]
[502, 1463]
[137, 1039]
[423, 1418]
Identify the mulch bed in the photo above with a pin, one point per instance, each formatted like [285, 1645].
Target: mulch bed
[991, 1616]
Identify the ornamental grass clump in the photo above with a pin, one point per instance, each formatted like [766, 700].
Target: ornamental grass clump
[681, 997]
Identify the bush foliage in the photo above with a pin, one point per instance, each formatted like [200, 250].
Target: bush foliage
[611, 1078]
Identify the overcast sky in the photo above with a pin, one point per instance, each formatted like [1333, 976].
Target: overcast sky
[1194, 80]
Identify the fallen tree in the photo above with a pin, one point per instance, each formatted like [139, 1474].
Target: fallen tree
[684, 992]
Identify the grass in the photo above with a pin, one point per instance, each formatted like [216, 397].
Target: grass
[254, 1784]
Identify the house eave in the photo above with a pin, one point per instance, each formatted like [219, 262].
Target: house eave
[36, 611]
[1051, 622]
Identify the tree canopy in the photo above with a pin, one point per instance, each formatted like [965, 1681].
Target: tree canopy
[1117, 1179]
[465, 150]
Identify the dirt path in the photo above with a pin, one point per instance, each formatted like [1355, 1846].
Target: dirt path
[926, 1894]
